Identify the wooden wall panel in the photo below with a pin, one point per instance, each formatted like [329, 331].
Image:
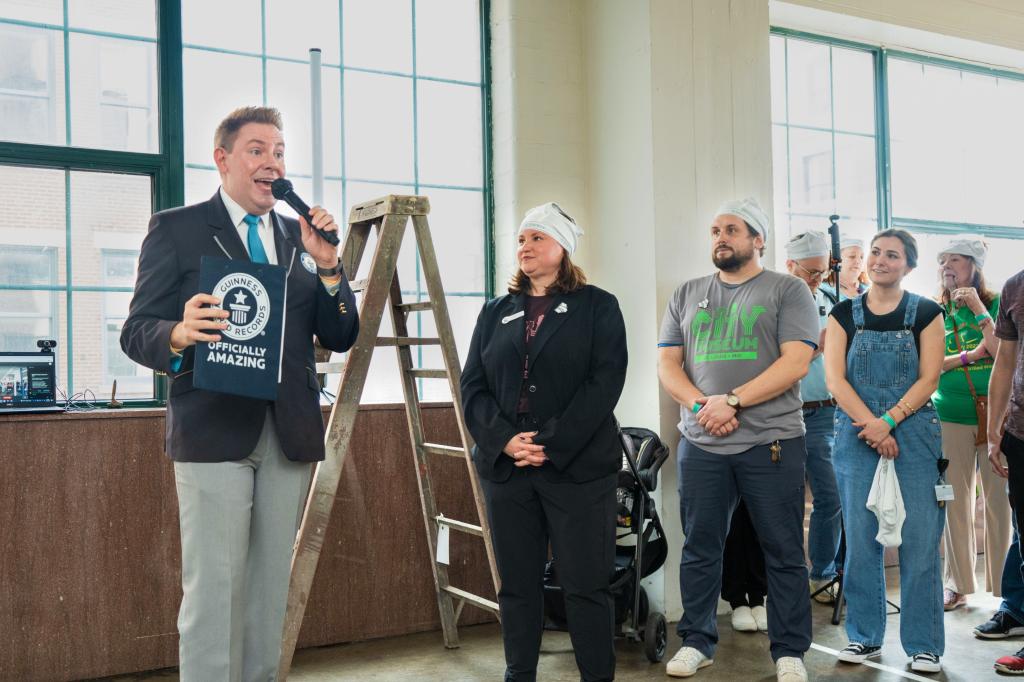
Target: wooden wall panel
[89, 546]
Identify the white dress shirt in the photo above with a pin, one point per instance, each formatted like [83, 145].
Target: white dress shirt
[266, 229]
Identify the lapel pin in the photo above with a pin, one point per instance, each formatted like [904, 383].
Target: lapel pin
[562, 307]
[703, 304]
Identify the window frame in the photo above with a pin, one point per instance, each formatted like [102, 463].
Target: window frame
[166, 168]
[883, 159]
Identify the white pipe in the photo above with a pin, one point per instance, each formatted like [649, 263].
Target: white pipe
[316, 99]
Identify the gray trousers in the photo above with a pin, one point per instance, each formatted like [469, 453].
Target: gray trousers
[238, 522]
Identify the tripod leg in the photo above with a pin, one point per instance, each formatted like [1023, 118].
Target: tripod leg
[837, 608]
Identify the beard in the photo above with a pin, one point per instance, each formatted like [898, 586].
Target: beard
[732, 260]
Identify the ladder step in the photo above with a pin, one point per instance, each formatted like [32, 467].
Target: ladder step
[330, 367]
[461, 526]
[357, 285]
[480, 602]
[435, 449]
[413, 307]
[428, 373]
[407, 341]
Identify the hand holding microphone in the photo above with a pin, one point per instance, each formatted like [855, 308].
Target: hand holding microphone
[282, 190]
[316, 220]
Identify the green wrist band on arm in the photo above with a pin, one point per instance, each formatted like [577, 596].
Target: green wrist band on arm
[887, 418]
[981, 317]
[696, 408]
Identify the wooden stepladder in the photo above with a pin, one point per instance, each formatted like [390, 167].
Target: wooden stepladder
[389, 216]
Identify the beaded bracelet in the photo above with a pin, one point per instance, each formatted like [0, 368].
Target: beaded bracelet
[909, 406]
[887, 418]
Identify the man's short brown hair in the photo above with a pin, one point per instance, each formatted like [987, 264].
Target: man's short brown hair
[228, 129]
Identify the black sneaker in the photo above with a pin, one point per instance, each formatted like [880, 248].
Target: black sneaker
[1001, 626]
[925, 663]
[858, 653]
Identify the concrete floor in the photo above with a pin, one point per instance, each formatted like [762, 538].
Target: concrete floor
[740, 656]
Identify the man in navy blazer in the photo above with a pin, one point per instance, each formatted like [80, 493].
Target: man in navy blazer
[241, 465]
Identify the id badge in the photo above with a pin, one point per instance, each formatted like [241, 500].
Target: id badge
[944, 492]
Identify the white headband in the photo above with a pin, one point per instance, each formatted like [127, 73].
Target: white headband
[554, 222]
[750, 211]
[967, 245]
[807, 245]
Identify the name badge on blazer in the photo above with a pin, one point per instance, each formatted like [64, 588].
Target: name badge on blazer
[515, 316]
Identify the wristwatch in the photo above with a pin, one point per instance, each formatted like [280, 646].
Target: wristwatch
[732, 400]
[329, 272]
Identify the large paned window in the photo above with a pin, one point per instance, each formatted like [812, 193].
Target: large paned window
[95, 141]
[885, 138]
[403, 95]
[80, 77]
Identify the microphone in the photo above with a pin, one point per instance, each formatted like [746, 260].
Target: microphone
[833, 232]
[282, 189]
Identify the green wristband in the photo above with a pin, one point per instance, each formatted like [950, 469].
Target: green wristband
[887, 418]
[696, 408]
[981, 317]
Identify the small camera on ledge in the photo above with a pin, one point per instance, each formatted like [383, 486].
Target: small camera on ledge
[46, 345]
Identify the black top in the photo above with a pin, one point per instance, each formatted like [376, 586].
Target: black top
[536, 308]
[927, 309]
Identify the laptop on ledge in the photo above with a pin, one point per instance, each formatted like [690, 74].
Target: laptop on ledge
[28, 383]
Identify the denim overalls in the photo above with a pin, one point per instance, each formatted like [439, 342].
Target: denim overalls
[881, 366]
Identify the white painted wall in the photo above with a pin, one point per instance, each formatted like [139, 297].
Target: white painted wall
[538, 116]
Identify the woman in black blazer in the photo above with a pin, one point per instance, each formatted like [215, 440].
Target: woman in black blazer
[545, 370]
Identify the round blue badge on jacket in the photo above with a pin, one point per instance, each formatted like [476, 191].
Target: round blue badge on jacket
[308, 262]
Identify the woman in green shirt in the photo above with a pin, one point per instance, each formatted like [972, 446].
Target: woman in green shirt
[963, 388]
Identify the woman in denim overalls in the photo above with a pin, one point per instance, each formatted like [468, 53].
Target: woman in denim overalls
[880, 382]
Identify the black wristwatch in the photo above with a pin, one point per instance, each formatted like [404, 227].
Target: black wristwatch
[329, 272]
[732, 400]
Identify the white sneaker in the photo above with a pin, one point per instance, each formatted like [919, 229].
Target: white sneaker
[790, 669]
[743, 619]
[687, 662]
[825, 596]
[760, 617]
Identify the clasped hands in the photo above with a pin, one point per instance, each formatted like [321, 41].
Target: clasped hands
[716, 416]
[878, 435]
[524, 451]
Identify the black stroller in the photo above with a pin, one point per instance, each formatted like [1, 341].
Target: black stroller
[643, 455]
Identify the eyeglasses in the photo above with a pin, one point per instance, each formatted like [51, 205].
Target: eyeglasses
[814, 274]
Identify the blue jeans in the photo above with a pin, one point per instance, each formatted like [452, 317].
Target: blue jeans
[826, 514]
[921, 625]
[710, 486]
[1013, 582]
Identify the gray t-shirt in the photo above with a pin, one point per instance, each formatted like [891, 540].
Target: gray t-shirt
[731, 333]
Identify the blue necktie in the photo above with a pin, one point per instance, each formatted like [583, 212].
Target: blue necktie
[256, 251]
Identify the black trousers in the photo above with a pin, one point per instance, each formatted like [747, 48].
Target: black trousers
[527, 511]
[743, 577]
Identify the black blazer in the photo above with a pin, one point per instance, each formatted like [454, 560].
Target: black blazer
[204, 426]
[577, 369]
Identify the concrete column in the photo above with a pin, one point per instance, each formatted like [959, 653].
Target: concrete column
[679, 109]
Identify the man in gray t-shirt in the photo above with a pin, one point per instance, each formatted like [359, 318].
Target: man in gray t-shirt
[732, 349]
[731, 333]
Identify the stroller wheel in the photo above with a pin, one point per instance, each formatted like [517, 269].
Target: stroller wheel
[655, 637]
